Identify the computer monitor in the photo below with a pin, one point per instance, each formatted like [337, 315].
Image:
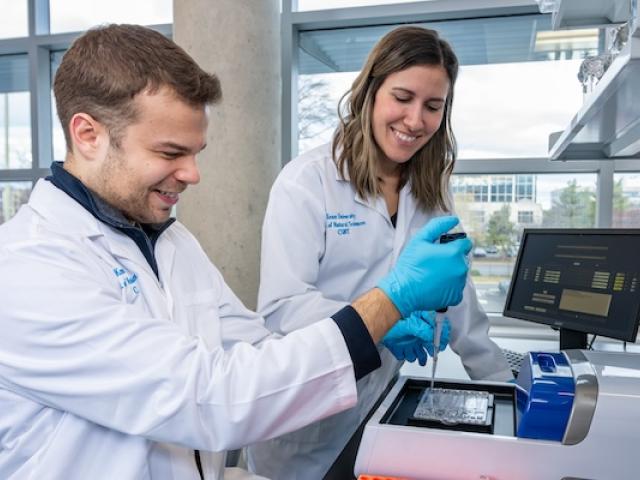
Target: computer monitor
[580, 281]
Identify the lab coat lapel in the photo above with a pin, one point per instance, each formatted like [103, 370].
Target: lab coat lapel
[128, 255]
[115, 248]
[376, 204]
[165, 255]
[62, 211]
[125, 249]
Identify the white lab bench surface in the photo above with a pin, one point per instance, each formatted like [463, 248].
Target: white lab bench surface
[518, 339]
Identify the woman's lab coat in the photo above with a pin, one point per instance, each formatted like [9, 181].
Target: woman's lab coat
[108, 373]
[322, 247]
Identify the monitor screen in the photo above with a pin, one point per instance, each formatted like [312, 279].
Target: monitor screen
[579, 280]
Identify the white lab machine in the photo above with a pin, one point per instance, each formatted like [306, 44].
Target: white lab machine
[572, 415]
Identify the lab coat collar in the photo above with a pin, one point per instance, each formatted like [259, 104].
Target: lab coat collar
[64, 215]
[145, 236]
[377, 203]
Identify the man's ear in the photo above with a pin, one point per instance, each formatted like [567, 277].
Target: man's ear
[89, 137]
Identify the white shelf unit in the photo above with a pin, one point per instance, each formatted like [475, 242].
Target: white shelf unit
[608, 124]
[590, 13]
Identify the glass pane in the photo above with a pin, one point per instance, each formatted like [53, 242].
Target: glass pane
[517, 81]
[494, 209]
[15, 112]
[626, 200]
[14, 19]
[318, 97]
[12, 196]
[305, 5]
[76, 15]
[508, 110]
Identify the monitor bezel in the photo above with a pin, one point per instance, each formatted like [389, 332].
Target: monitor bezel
[629, 336]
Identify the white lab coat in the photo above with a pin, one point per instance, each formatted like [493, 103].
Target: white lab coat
[323, 246]
[108, 373]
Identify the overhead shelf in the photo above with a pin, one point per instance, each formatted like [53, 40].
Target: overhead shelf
[590, 13]
[608, 124]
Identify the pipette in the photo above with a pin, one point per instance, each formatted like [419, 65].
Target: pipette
[446, 238]
[436, 343]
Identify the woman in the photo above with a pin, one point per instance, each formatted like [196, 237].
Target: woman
[339, 216]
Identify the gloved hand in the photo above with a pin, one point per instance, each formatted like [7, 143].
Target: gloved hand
[427, 275]
[410, 337]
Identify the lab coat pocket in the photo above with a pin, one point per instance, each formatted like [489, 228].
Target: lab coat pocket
[200, 316]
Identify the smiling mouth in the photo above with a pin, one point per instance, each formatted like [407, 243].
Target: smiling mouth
[172, 195]
[168, 198]
[404, 137]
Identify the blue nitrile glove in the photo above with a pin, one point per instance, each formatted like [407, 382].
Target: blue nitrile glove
[412, 338]
[428, 275]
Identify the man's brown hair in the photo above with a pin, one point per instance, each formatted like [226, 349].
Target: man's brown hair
[108, 66]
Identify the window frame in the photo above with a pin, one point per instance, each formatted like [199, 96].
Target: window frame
[38, 46]
[294, 22]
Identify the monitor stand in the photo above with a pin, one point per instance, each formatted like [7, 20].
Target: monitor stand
[570, 339]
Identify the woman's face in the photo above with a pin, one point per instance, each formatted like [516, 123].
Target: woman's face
[408, 109]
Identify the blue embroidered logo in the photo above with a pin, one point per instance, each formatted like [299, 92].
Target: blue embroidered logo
[343, 223]
[127, 280]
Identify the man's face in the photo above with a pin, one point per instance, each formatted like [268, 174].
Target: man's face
[156, 160]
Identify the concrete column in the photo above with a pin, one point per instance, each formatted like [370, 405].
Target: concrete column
[238, 40]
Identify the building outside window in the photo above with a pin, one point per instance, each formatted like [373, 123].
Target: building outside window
[12, 196]
[525, 187]
[502, 189]
[626, 200]
[525, 217]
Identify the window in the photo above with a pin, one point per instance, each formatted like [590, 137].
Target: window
[517, 84]
[525, 217]
[318, 97]
[626, 200]
[15, 122]
[525, 188]
[76, 15]
[509, 65]
[14, 18]
[304, 5]
[562, 200]
[502, 189]
[474, 188]
[12, 196]
[30, 134]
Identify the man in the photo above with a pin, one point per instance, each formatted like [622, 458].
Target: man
[123, 350]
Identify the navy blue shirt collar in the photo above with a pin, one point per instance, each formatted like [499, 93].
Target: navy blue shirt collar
[145, 236]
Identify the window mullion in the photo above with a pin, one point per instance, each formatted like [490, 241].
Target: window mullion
[604, 195]
[40, 86]
[38, 17]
